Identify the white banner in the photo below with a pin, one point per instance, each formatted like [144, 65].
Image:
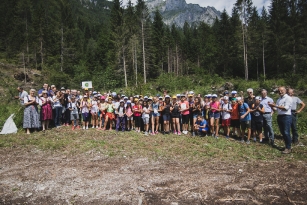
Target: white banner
[87, 84]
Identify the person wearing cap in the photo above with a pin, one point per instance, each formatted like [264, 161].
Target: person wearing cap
[66, 111]
[166, 114]
[85, 106]
[94, 112]
[235, 118]
[102, 109]
[129, 114]
[214, 116]
[155, 116]
[46, 110]
[120, 116]
[294, 112]
[245, 120]
[110, 117]
[267, 117]
[257, 112]
[175, 114]
[161, 121]
[137, 112]
[196, 111]
[233, 95]
[191, 105]
[226, 115]
[74, 116]
[146, 98]
[185, 112]
[145, 117]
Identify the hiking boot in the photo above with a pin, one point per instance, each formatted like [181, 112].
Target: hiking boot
[286, 151]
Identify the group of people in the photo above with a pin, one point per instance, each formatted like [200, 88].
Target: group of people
[178, 114]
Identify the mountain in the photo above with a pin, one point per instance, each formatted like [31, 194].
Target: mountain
[178, 12]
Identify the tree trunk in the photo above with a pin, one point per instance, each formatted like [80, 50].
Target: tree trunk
[136, 66]
[27, 35]
[263, 61]
[143, 47]
[125, 71]
[168, 63]
[41, 50]
[62, 48]
[177, 60]
[24, 66]
[294, 58]
[246, 63]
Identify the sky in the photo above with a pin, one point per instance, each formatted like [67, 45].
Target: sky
[221, 4]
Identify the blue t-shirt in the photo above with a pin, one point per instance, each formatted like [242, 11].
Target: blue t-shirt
[243, 109]
[203, 123]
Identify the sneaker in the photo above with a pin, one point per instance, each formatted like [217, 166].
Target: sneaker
[193, 134]
[286, 151]
[93, 126]
[175, 133]
[156, 132]
[255, 140]
[227, 137]
[146, 133]
[179, 133]
[216, 137]
[248, 142]
[242, 140]
[73, 127]
[153, 133]
[84, 127]
[78, 127]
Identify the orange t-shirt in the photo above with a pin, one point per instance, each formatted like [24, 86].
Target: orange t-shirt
[235, 112]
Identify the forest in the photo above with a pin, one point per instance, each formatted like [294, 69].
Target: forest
[117, 45]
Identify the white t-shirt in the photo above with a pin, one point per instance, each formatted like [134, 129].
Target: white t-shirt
[145, 114]
[226, 115]
[94, 106]
[56, 103]
[73, 106]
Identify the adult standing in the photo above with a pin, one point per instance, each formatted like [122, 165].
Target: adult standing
[22, 94]
[295, 101]
[284, 118]
[267, 116]
[31, 116]
[40, 91]
[58, 108]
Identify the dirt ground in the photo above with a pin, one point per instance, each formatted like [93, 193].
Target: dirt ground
[37, 177]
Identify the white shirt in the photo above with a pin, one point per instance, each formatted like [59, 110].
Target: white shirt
[226, 115]
[286, 102]
[145, 114]
[56, 103]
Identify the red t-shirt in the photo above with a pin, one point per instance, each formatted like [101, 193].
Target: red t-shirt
[185, 105]
[137, 110]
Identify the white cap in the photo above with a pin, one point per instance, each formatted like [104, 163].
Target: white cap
[121, 101]
[178, 95]
[167, 96]
[234, 92]
[128, 101]
[209, 95]
[214, 96]
[239, 98]
[146, 97]
[225, 98]
[94, 92]
[125, 98]
[258, 98]
[191, 92]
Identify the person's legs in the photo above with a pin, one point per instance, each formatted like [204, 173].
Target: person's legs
[267, 127]
[105, 122]
[284, 124]
[294, 128]
[43, 124]
[212, 125]
[217, 125]
[117, 123]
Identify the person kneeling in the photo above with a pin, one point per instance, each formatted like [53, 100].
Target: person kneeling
[201, 126]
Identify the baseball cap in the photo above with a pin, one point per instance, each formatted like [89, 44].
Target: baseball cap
[178, 95]
[182, 95]
[190, 95]
[214, 96]
[225, 98]
[167, 96]
[146, 97]
[258, 98]
[62, 88]
[239, 98]
[85, 88]
[85, 96]
[121, 101]
[226, 92]
[160, 97]
[125, 98]
[95, 92]
[102, 98]
[234, 92]
[174, 97]
[128, 101]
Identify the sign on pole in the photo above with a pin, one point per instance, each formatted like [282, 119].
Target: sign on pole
[87, 84]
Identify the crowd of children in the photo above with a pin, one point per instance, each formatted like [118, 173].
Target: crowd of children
[178, 114]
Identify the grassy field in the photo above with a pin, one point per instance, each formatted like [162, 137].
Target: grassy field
[132, 144]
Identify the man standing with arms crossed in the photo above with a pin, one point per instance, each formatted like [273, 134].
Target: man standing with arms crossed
[284, 118]
[267, 116]
[294, 112]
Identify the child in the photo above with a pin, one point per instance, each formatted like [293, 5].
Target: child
[94, 112]
[155, 116]
[129, 114]
[226, 116]
[145, 117]
[257, 118]
[201, 126]
[245, 120]
[137, 111]
[121, 112]
[85, 106]
[235, 118]
[74, 116]
[102, 109]
[109, 115]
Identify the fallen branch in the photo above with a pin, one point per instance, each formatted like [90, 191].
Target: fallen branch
[288, 197]
[223, 200]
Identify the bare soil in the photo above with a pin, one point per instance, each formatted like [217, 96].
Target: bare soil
[37, 177]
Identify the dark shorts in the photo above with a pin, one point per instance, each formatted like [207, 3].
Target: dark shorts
[245, 125]
[235, 123]
[226, 122]
[185, 119]
[85, 116]
[257, 125]
[166, 117]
